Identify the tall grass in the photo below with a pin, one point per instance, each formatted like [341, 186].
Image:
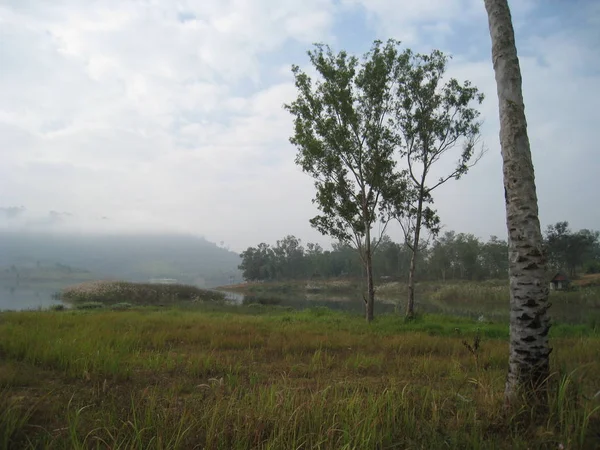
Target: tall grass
[115, 292]
[273, 379]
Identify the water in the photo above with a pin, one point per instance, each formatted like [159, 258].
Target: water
[17, 297]
[334, 302]
[355, 304]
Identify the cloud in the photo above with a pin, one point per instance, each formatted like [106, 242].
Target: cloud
[169, 115]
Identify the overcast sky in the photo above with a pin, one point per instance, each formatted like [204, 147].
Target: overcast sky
[164, 114]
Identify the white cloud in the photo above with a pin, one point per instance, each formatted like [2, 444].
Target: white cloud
[169, 114]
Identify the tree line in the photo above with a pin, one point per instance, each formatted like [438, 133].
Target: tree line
[450, 256]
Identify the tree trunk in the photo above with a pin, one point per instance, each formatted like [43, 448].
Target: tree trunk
[410, 304]
[529, 323]
[370, 301]
[368, 262]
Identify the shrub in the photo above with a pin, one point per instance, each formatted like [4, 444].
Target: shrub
[121, 306]
[89, 305]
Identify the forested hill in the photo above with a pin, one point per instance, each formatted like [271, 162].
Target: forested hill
[135, 257]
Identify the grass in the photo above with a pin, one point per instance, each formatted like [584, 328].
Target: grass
[97, 293]
[220, 377]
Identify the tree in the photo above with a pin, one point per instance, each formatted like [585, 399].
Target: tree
[529, 323]
[494, 258]
[258, 263]
[568, 250]
[468, 256]
[342, 129]
[433, 118]
[289, 257]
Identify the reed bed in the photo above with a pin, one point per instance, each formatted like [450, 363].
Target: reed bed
[115, 292]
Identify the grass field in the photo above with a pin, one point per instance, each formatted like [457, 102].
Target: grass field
[220, 377]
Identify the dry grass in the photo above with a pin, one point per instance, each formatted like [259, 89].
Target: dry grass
[277, 379]
[112, 292]
[592, 279]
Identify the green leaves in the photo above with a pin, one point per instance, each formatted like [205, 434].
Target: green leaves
[343, 129]
[433, 115]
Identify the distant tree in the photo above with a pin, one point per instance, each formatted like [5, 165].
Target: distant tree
[387, 258]
[442, 256]
[433, 117]
[258, 263]
[494, 258]
[568, 250]
[342, 129]
[468, 252]
[289, 256]
[529, 359]
[316, 260]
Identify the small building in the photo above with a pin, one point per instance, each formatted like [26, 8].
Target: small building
[559, 282]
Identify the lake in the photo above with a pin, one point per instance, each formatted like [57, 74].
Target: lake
[17, 297]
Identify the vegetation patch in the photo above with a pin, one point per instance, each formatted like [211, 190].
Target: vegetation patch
[121, 292]
[222, 377]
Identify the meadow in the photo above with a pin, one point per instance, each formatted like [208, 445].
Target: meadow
[213, 376]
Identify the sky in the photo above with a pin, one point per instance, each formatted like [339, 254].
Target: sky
[167, 115]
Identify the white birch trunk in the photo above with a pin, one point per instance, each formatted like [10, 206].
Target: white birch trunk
[529, 322]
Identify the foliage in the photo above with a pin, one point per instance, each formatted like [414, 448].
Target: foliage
[572, 250]
[343, 129]
[433, 118]
[343, 138]
[450, 256]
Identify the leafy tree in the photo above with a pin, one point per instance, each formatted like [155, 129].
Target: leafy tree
[258, 263]
[442, 258]
[569, 250]
[387, 258]
[317, 264]
[289, 255]
[468, 256]
[434, 118]
[342, 129]
[494, 258]
[529, 360]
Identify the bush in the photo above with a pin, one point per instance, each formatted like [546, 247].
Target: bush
[59, 307]
[121, 306]
[89, 305]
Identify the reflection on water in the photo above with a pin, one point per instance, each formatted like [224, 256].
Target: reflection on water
[17, 297]
[496, 313]
[337, 302]
[40, 296]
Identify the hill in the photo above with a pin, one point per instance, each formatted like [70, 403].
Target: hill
[132, 257]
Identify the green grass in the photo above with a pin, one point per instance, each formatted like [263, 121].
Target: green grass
[239, 378]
